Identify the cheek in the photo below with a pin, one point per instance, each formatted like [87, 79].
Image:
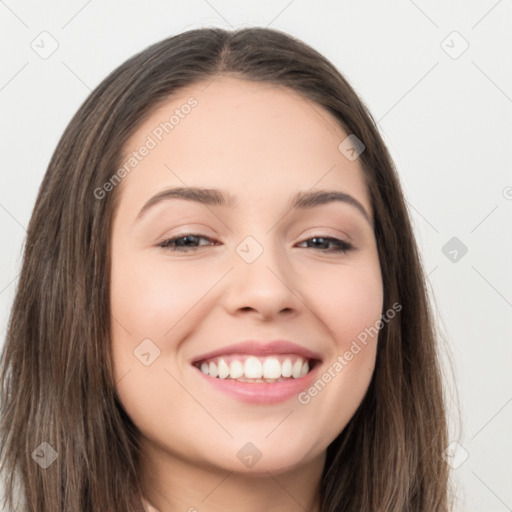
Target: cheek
[146, 303]
[348, 300]
[149, 299]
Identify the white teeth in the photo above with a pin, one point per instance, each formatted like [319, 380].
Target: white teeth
[223, 369]
[236, 369]
[296, 369]
[271, 368]
[213, 370]
[286, 369]
[259, 369]
[305, 369]
[253, 368]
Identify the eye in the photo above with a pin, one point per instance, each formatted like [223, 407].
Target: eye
[189, 243]
[183, 243]
[339, 245]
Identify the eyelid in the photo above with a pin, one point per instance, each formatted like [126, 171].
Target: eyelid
[326, 231]
[196, 229]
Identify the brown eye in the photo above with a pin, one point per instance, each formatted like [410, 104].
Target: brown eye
[183, 243]
[339, 245]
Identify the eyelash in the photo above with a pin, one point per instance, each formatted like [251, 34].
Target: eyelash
[341, 245]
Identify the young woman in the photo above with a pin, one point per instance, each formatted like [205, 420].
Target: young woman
[221, 305]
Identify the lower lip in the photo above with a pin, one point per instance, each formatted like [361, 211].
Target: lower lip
[262, 393]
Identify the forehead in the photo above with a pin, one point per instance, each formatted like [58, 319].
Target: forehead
[255, 139]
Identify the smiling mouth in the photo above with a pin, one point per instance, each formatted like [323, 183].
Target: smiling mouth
[257, 369]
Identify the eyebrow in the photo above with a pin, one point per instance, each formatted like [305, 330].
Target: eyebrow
[214, 197]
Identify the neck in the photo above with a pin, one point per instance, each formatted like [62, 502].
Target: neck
[172, 484]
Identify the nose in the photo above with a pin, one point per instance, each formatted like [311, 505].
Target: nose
[264, 287]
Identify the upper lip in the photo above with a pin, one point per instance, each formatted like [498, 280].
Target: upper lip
[260, 348]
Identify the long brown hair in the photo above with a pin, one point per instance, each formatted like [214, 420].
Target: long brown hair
[58, 396]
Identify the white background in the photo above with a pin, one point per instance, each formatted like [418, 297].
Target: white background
[446, 120]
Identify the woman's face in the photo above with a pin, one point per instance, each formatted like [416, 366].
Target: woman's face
[259, 287]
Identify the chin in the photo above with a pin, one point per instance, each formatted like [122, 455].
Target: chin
[259, 459]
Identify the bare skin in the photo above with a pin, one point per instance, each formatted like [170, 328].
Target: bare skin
[262, 144]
